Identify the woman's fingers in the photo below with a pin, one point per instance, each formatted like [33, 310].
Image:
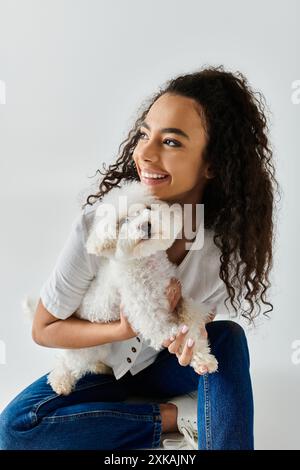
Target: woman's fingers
[175, 345]
[167, 342]
[185, 357]
[210, 316]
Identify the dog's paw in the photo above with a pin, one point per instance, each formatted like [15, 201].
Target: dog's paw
[62, 384]
[204, 360]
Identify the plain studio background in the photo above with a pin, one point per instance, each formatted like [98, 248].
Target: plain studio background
[74, 73]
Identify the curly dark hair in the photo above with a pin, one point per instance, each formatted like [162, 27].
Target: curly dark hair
[239, 199]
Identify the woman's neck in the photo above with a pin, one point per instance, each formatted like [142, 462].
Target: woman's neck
[177, 251]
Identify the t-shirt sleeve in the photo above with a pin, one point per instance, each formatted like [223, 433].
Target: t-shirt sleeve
[72, 274]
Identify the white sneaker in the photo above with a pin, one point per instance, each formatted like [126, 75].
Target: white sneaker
[186, 423]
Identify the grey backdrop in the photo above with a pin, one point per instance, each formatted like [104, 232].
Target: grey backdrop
[75, 73]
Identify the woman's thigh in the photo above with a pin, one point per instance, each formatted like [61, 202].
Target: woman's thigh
[93, 416]
[39, 400]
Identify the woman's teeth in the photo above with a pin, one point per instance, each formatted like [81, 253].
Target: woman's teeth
[153, 175]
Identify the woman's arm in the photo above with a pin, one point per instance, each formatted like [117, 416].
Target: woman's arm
[73, 332]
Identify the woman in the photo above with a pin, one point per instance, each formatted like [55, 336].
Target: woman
[220, 158]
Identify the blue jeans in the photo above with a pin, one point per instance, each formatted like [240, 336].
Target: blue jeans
[95, 416]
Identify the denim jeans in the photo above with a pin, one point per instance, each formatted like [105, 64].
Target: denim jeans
[95, 416]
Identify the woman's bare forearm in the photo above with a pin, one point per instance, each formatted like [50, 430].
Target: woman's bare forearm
[77, 333]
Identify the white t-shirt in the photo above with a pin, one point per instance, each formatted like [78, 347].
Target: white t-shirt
[74, 269]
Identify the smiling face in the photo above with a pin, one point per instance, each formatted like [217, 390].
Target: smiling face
[172, 141]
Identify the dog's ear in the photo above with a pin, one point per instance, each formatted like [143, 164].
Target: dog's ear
[101, 242]
[102, 239]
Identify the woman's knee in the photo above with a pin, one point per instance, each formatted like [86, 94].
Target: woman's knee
[8, 419]
[16, 418]
[235, 329]
[228, 340]
[228, 327]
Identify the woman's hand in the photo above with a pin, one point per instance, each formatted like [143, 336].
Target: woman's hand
[173, 345]
[173, 293]
[124, 329]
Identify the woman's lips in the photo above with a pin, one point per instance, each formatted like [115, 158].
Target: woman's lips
[154, 181]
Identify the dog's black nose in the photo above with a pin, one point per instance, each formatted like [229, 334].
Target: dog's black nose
[149, 229]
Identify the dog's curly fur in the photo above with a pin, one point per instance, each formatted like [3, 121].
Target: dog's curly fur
[132, 238]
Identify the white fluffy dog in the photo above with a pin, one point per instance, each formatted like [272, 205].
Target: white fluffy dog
[132, 229]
